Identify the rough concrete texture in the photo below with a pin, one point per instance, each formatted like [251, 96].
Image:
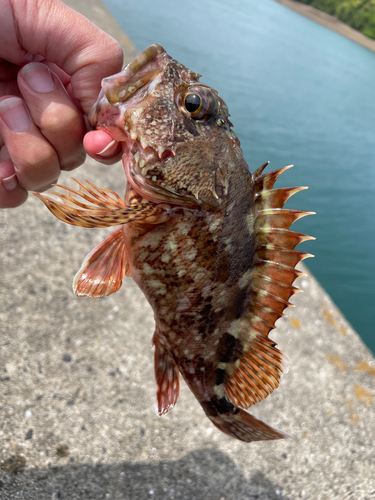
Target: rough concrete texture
[77, 391]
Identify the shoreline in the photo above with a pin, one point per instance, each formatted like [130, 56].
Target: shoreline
[330, 22]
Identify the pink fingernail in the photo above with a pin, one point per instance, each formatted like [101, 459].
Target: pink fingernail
[10, 183]
[38, 76]
[15, 114]
[109, 150]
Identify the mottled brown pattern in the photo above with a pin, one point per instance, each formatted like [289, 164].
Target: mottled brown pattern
[206, 241]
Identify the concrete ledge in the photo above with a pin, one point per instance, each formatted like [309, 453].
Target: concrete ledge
[77, 417]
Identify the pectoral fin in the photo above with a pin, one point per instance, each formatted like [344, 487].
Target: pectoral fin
[103, 269]
[93, 207]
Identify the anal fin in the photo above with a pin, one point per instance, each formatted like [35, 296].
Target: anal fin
[103, 269]
[167, 377]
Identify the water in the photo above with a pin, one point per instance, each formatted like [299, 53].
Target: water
[298, 93]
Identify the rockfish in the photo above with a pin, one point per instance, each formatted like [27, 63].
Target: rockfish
[207, 242]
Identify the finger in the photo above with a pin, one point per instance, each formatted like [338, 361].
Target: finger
[102, 147]
[8, 79]
[54, 113]
[8, 71]
[71, 41]
[63, 77]
[35, 161]
[11, 193]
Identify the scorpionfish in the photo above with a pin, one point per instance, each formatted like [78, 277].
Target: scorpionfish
[207, 241]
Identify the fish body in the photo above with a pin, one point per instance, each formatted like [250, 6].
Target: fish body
[207, 241]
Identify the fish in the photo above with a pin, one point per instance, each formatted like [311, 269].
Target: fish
[207, 241]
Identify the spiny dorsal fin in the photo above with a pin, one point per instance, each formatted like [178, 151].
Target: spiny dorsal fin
[259, 171]
[280, 218]
[275, 198]
[266, 181]
[275, 257]
[257, 371]
[281, 237]
[275, 253]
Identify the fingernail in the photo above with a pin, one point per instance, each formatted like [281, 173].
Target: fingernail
[38, 76]
[10, 183]
[109, 150]
[15, 114]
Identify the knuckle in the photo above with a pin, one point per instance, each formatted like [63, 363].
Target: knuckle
[38, 167]
[117, 53]
[111, 56]
[66, 120]
[39, 153]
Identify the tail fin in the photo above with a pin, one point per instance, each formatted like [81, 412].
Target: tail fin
[241, 425]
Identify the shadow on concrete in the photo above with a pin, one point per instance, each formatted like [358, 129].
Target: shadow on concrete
[204, 474]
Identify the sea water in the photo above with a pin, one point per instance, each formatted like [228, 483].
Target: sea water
[297, 93]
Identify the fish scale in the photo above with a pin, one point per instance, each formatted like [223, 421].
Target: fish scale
[207, 242]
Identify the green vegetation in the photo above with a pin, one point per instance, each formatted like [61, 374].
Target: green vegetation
[360, 14]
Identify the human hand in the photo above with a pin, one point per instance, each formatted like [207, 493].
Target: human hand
[63, 57]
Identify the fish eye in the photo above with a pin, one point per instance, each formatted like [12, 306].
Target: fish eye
[197, 102]
[193, 103]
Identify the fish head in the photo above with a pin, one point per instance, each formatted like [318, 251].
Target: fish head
[176, 134]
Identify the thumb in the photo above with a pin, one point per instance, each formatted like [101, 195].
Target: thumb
[102, 147]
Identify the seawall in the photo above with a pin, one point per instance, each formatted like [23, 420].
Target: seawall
[330, 22]
[77, 390]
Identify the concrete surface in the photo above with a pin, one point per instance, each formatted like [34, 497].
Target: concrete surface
[77, 391]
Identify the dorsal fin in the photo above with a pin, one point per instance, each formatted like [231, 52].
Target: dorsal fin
[257, 371]
[275, 257]
[266, 181]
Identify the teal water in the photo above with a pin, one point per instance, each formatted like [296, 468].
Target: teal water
[298, 93]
